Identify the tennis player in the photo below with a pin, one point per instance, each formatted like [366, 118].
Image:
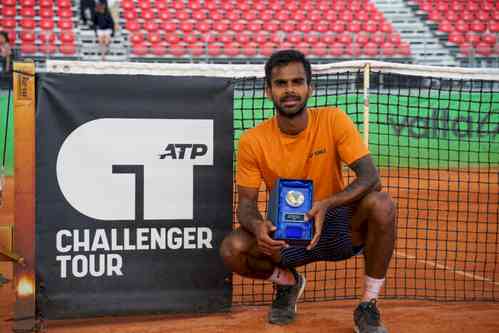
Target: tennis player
[310, 143]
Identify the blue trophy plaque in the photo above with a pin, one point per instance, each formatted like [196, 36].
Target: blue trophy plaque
[288, 204]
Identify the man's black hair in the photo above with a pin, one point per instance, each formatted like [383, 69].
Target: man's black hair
[284, 57]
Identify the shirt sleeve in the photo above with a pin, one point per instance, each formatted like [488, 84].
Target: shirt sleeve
[248, 173]
[348, 140]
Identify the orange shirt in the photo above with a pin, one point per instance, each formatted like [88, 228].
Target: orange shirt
[316, 153]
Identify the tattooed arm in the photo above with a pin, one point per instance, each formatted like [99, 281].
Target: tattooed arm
[250, 219]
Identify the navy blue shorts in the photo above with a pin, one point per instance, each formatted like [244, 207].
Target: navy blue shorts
[335, 243]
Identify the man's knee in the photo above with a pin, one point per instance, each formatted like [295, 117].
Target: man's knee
[232, 247]
[381, 207]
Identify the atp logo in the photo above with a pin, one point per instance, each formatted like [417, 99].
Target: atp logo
[108, 169]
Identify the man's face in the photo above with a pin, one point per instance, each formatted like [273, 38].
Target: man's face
[289, 89]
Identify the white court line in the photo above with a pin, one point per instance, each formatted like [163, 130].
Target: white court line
[440, 266]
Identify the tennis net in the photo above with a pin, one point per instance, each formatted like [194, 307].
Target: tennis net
[433, 133]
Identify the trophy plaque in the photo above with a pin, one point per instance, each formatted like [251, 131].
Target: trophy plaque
[288, 204]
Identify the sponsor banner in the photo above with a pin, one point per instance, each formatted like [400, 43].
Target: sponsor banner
[134, 194]
[431, 131]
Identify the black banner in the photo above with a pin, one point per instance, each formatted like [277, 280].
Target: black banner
[134, 194]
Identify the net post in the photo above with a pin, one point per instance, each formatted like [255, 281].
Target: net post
[367, 71]
[24, 194]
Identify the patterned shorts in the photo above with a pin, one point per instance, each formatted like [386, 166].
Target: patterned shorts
[335, 243]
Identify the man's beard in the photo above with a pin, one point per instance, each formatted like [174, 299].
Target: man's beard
[283, 112]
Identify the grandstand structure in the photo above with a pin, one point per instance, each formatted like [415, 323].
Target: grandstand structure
[429, 32]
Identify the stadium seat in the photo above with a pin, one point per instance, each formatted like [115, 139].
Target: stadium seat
[136, 38]
[354, 27]
[196, 49]
[46, 12]
[28, 48]
[370, 49]
[220, 26]
[209, 38]
[47, 37]
[377, 38]
[168, 26]
[172, 39]
[232, 49]
[489, 38]
[182, 15]
[319, 49]
[158, 49]
[404, 49]
[386, 27]
[214, 50]
[346, 16]
[199, 15]
[493, 26]
[147, 14]
[203, 27]
[250, 49]
[26, 3]
[28, 12]
[226, 38]
[298, 16]
[65, 13]
[327, 39]
[336, 49]
[288, 26]
[215, 15]
[243, 38]
[47, 48]
[466, 49]
[47, 24]
[12, 36]
[132, 26]
[28, 36]
[250, 16]
[338, 27]
[388, 49]
[46, 3]
[154, 37]
[64, 4]
[164, 15]
[477, 26]
[186, 27]
[267, 49]
[472, 38]
[144, 4]
[190, 38]
[484, 49]
[139, 49]
[304, 27]
[9, 11]
[238, 26]
[254, 26]
[321, 27]
[130, 14]
[270, 26]
[27, 23]
[456, 38]
[267, 15]
[127, 5]
[312, 38]
[65, 24]
[8, 24]
[370, 26]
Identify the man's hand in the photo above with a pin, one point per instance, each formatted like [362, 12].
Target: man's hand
[318, 212]
[265, 243]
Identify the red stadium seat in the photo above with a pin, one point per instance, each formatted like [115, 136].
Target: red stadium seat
[199, 15]
[47, 48]
[65, 13]
[64, 4]
[182, 15]
[154, 37]
[172, 39]
[8, 23]
[386, 27]
[489, 39]
[483, 15]
[203, 27]
[404, 49]
[484, 49]
[472, 38]
[12, 36]
[46, 12]
[47, 24]
[336, 49]
[327, 39]
[47, 37]
[28, 36]
[446, 26]
[186, 27]
[215, 15]
[346, 39]
[164, 15]
[28, 48]
[321, 27]
[226, 38]
[304, 48]
[26, 3]
[178, 4]
[354, 27]
[338, 27]
[370, 49]
[144, 4]
[467, 16]
[237, 26]
[270, 26]
[9, 11]
[130, 14]
[233, 15]
[209, 38]
[267, 15]
[28, 12]
[194, 5]
[158, 49]
[65, 24]
[147, 14]
[28, 23]
[243, 38]
[466, 49]
[370, 26]
[232, 49]
[462, 26]
[127, 5]
[190, 38]
[288, 26]
[377, 38]
[312, 39]
[346, 16]
[330, 15]
[298, 16]
[319, 49]
[362, 16]
[494, 26]
[136, 38]
[361, 39]
[132, 26]
[214, 50]
[220, 26]
[388, 49]
[477, 26]
[394, 38]
[250, 16]
[8, 2]
[139, 49]
[267, 49]
[315, 16]
[294, 38]
[46, 3]
[304, 27]
[254, 26]
[196, 49]
[250, 49]
[168, 26]
[456, 38]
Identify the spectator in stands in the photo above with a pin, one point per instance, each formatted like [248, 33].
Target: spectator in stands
[104, 27]
[87, 11]
[114, 8]
[310, 143]
[5, 52]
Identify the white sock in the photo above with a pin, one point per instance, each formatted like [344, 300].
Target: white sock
[282, 276]
[372, 287]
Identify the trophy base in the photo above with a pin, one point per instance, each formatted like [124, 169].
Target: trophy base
[296, 242]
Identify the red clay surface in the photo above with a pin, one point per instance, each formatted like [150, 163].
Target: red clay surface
[447, 248]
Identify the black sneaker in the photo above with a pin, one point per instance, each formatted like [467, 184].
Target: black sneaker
[283, 310]
[366, 318]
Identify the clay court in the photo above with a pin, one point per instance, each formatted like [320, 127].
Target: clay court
[443, 277]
